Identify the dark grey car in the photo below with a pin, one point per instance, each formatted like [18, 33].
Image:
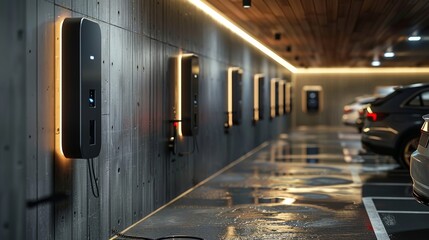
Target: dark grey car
[392, 124]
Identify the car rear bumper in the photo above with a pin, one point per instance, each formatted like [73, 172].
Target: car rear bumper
[421, 199]
[377, 148]
[380, 138]
[419, 166]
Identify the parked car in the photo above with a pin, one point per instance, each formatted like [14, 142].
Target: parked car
[419, 165]
[392, 124]
[350, 111]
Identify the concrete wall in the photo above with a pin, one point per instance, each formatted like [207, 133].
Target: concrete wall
[341, 89]
[137, 173]
[12, 120]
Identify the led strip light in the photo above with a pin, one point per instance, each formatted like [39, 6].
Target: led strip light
[235, 29]
[361, 70]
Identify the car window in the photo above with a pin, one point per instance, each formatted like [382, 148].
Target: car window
[381, 101]
[425, 98]
[416, 101]
[420, 100]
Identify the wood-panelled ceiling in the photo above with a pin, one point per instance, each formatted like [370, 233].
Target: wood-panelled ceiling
[336, 33]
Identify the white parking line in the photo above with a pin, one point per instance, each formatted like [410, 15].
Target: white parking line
[403, 212]
[377, 224]
[393, 198]
[388, 184]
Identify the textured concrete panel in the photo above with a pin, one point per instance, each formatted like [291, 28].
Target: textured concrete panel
[13, 121]
[45, 114]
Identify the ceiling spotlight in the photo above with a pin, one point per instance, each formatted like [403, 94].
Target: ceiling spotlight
[414, 38]
[277, 36]
[389, 53]
[288, 48]
[247, 3]
[375, 63]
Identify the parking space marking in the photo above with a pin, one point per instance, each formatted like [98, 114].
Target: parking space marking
[392, 198]
[388, 184]
[374, 218]
[374, 214]
[402, 212]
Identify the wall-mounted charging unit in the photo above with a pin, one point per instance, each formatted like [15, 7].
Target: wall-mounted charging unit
[281, 98]
[234, 94]
[185, 73]
[80, 88]
[258, 97]
[237, 93]
[312, 99]
[274, 97]
[190, 72]
[288, 97]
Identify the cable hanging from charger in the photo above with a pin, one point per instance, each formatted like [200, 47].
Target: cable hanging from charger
[194, 146]
[92, 178]
[126, 236]
[173, 141]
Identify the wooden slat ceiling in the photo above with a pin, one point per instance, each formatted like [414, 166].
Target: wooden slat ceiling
[336, 33]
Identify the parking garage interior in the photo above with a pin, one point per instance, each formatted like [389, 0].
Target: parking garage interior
[214, 119]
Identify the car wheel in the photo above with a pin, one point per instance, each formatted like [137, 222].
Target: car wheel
[407, 147]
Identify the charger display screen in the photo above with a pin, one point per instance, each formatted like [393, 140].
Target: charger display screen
[91, 98]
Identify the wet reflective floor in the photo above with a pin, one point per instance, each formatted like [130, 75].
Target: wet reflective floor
[315, 184]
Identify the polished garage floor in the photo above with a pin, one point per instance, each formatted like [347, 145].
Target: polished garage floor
[311, 184]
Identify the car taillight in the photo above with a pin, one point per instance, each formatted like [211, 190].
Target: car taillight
[372, 116]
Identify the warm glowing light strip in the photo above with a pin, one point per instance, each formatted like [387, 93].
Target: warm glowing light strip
[288, 97]
[360, 70]
[273, 97]
[58, 80]
[212, 12]
[179, 95]
[229, 107]
[281, 96]
[229, 90]
[256, 96]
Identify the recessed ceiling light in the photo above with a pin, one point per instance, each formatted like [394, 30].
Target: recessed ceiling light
[414, 38]
[247, 3]
[389, 54]
[375, 63]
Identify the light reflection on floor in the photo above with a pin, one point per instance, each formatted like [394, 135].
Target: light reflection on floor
[305, 185]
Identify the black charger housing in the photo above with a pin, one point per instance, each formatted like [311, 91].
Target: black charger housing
[80, 88]
[190, 74]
